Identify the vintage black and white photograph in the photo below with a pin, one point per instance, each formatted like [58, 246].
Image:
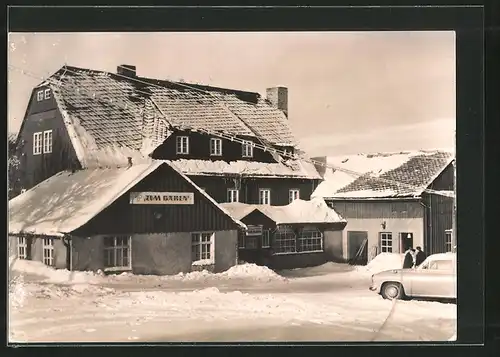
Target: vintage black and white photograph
[231, 186]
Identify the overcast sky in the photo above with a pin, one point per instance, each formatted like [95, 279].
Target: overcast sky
[348, 92]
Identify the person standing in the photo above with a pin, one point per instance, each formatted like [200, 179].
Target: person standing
[420, 256]
[409, 261]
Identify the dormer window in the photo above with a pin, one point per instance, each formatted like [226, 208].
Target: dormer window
[247, 149]
[39, 95]
[46, 93]
[215, 147]
[182, 146]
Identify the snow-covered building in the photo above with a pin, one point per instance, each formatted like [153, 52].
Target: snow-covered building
[302, 233]
[147, 218]
[392, 201]
[227, 141]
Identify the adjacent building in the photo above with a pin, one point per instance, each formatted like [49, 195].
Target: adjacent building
[391, 201]
[146, 218]
[302, 233]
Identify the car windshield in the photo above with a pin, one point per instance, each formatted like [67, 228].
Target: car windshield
[437, 264]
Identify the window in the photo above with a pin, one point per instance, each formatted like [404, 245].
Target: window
[182, 145]
[39, 95]
[284, 241]
[202, 245]
[48, 251]
[448, 241]
[310, 240]
[241, 240]
[265, 239]
[264, 196]
[254, 234]
[386, 242]
[47, 141]
[22, 248]
[37, 143]
[233, 195]
[293, 194]
[117, 252]
[247, 149]
[215, 147]
[46, 93]
[441, 265]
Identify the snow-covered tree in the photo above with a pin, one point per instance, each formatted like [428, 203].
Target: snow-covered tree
[13, 166]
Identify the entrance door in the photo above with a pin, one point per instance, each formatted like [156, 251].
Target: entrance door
[355, 240]
[405, 241]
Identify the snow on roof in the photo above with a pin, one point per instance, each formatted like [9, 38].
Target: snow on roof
[66, 201]
[299, 211]
[104, 110]
[401, 174]
[295, 168]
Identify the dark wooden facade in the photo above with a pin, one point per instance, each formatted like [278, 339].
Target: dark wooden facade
[217, 187]
[439, 212]
[41, 116]
[121, 217]
[199, 148]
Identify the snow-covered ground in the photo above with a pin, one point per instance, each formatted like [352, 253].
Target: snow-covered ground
[246, 303]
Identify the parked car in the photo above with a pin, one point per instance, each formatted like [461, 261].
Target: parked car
[436, 277]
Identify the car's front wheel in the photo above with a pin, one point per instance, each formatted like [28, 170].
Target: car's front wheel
[392, 291]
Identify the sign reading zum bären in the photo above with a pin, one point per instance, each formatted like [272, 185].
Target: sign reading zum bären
[162, 198]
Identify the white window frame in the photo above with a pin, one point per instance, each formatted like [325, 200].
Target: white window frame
[293, 194]
[200, 254]
[448, 241]
[48, 251]
[285, 241]
[182, 145]
[47, 141]
[309, 237]
[39, 95]
[247, 149]
[117, 252]
[263, 200]
[266, 238]
[386, 237]
[37, 143]
[46, 94]
[215, 147]
[233, 195]
[22, 248]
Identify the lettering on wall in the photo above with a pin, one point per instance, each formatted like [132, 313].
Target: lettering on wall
[162, 198]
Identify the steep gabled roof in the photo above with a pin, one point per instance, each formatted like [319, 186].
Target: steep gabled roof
[66, 201]
[109, 110]
[382, 175]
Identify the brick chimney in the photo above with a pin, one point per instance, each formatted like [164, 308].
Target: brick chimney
[126, 70]
[278, 96]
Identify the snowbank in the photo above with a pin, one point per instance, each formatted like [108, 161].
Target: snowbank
[241, 271]
[56, 276]
[382, 262]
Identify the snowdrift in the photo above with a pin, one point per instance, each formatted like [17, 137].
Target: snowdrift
[241, 271]
[383, 261]
[63, 276]
[55, 276]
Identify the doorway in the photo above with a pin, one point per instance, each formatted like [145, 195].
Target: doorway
[405, 241]
[357, 247]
